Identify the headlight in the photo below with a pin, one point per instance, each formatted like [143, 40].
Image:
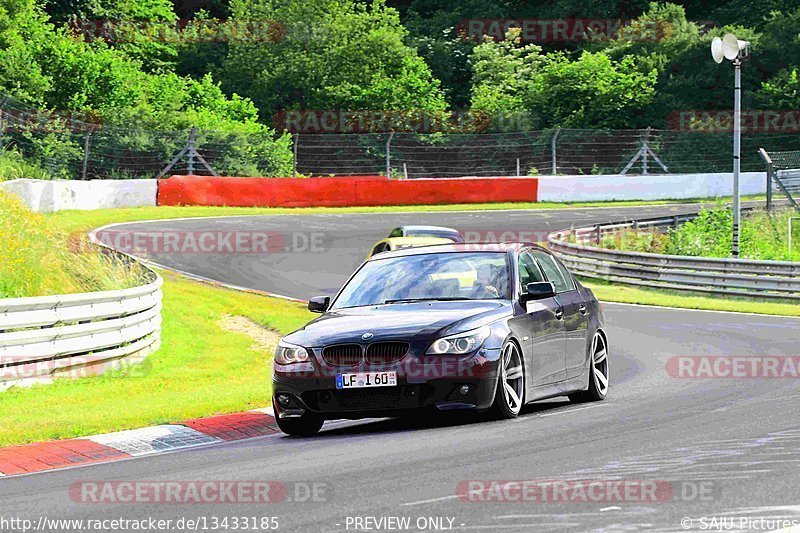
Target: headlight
[287, 354]
[460, 343]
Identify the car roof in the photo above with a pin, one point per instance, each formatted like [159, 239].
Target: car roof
[417, 241]
[504, 247]
[428, 228]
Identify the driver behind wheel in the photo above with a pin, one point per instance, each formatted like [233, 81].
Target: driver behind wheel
[486, 284]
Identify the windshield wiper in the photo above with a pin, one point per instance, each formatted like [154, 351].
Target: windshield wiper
[438, 299]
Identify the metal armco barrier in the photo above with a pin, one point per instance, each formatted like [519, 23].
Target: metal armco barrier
[77, 334]
[707, 275]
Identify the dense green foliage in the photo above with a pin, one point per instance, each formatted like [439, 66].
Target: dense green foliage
[374, 55]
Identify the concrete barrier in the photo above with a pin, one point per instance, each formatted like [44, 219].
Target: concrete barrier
[650, 187]
[57, 195]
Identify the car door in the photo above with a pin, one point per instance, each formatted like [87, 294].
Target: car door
[575, 319]
[546, 330]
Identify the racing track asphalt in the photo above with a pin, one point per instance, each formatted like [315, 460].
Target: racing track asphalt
[737, 439]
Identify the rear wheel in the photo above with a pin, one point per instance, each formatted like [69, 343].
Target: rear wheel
[510, 395]
[303, 426]
[598, 373]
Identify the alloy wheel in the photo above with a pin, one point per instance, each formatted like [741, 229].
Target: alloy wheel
[512, 378]
[600, 364]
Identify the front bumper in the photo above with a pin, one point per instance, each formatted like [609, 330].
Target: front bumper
[445, 384]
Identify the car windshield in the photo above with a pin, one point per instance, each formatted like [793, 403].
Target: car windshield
[440, 276]
[444, 234]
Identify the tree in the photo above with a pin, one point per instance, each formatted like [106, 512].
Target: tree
[502, 75]
[590, 92]
[553, 90]
[333, 54]
[46, 67]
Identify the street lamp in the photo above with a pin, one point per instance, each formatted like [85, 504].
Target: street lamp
[732, 49]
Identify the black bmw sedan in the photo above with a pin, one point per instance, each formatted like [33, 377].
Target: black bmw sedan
[434, 328]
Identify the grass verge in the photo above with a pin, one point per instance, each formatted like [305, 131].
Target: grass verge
[613, 292]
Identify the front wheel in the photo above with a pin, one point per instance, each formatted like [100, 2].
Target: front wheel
[303, 426]
[598, 373]
[510, 395]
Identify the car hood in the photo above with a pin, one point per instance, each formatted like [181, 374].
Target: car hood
[410, 321]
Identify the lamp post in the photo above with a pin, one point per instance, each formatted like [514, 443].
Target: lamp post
[736, 51]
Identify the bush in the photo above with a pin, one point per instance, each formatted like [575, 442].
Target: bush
[636, 240]
[762, 236]
[14, 166]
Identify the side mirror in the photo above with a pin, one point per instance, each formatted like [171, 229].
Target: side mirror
[537, 291]
[319, 304]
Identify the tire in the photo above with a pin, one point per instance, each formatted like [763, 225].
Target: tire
[598, 373]
[509, 396]
[305, 426]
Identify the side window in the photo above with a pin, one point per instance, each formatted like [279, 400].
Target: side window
[529, 271]
[567, 276]
[552, 271]
[396, 232]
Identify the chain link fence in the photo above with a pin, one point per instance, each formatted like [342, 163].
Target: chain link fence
[81, 147]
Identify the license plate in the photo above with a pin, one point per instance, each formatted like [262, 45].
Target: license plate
[360, 380]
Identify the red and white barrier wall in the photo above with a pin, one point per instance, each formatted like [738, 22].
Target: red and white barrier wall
[373, 190]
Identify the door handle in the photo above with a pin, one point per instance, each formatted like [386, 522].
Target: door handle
[582, 309]
[559, 313]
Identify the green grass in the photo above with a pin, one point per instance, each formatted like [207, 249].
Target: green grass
[613, 292]
[36, 259]
[81, 220]
[201, 369]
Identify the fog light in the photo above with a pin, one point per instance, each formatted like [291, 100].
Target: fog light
[284, 399]
[324, 396]
[464, 390]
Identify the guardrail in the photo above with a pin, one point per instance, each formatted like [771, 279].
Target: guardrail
[77, 334]
[737, 277]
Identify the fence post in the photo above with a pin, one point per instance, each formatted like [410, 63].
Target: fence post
[645, 150]
[768, 160]
[389, 155]
[518, 167]
[85, 154]
[405, 171]
[296, 137]
[554, 170]
[191, 151]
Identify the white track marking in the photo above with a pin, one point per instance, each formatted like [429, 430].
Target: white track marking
[567, 410]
